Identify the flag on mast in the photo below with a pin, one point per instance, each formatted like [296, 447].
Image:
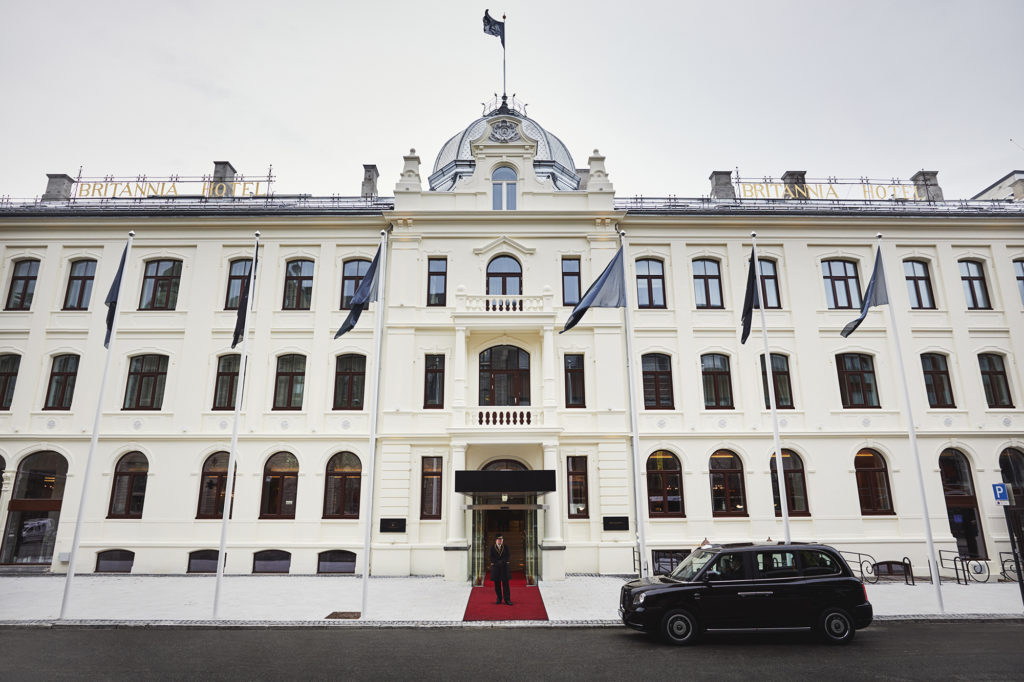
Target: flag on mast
[365, 294]
[750, 300]
[607, 291]
[493, 27]
[876, 294]
[112, 296]
[243, 301]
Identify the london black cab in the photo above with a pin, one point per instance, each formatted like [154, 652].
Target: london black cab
[750, 587]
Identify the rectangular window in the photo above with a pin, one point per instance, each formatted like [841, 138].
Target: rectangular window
[227, 382]
[9, 365]
[238, 279]
[993, 378]
[433, 382]
[783, 388]
[842, 286]
[290, 382]
[437, 281]
[650, 283]
[657, 381]
[147, 375]
[430, 497]
[160, 285]
[298, 285]
[1018, 269]
[574, 392]
[769, 284]
[570, 281]
[857, 385]
[972, 275]
[352, 274]
[707, 283]
[717, 381]
[919, 285]
[61, 390]
[23, 285]
[936, 380]
[577, 484]
[349, 381]
[80, 285]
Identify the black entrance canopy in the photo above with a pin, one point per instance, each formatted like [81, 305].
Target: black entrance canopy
[468, 482]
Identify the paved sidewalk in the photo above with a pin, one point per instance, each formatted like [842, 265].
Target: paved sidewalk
[307, 600]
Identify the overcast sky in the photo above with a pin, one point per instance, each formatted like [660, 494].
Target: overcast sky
[668, 91]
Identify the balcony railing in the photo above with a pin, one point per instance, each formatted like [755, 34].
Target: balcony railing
[503, 416]
[501, 304]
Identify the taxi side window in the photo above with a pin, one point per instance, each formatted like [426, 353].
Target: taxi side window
[816, 563]
[728, 566]
[777, 564]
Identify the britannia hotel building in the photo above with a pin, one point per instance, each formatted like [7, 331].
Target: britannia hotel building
[488, 419]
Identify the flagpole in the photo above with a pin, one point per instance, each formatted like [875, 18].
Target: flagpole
[378, 333]
[504, 77]
[634, 418]
[92, 446]
[936, 581]
[229, 487]
[780, 466]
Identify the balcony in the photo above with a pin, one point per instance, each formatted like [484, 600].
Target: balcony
[522, 312]
[504, 416]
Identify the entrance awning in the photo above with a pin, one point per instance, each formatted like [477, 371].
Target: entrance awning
[469, 482]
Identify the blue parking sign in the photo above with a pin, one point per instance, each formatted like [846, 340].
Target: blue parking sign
[1002, 497]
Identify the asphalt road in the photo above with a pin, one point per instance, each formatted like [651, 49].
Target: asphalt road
[890, 650]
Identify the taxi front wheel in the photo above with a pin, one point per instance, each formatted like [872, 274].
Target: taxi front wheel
[679, 627]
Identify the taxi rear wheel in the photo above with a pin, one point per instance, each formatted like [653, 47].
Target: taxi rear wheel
[679, 627]
[836, 626]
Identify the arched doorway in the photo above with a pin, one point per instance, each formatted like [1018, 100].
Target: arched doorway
[513, 516]
[962, 504]
[34, 509]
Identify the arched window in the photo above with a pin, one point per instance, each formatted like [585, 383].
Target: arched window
[290, 382]
[796, 484]
[342, 487]
[9, 365]
[707, 283]
[280, 484]
[298, 285]
[79, 290]
[271, 561]
[504, 277]
[238, 280]
[657, 380]
[336, 561]
[349, 381]
[650, 283]
[202, 561]
[115, 561]
[213, 486]
[504, 376]
[962, 504]
[352, 276]
[128, 493]
[728, 497]
[717, 381]
[872, 483]
[160, 285]
[504, 465]
[503, 189]
[34, 509]
[1011, 468]
[664, 485]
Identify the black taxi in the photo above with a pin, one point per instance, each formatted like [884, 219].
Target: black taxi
[750, 587]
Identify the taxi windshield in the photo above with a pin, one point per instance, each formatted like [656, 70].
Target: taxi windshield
[692, 564]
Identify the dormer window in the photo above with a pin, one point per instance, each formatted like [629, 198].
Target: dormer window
[503, 193]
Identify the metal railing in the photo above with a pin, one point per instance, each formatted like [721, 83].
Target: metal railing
[640, 204]
[200, 204]
[965, 569]
[1008, 567]
[865, 564]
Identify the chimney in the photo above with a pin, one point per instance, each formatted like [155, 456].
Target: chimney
[370, 176]
[721, 185]
[58, 187]
[796, 184]
[224, 172]
[927, 185]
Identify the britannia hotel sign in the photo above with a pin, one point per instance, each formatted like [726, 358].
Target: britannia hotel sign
[140, 189]
[830, 189]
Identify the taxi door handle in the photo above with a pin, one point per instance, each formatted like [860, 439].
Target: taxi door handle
[755, 594]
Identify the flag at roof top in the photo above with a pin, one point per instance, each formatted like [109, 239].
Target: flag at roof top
[494, 27]
[366, 293]
[607, 291]
[876, 294]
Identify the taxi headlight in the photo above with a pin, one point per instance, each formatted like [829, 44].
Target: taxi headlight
[639, 599]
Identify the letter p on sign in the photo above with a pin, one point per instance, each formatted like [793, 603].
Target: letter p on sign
[999, 490]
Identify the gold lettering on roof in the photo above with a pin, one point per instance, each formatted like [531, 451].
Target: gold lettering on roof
[140, 189]
[828, 190]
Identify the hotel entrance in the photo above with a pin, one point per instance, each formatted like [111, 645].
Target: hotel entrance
[513, 516]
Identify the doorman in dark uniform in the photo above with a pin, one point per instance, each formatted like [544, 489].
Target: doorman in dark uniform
[500, 570]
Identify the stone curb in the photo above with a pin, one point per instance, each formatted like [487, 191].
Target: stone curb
[333, 624]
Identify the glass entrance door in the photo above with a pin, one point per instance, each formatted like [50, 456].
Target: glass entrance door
[515, 518]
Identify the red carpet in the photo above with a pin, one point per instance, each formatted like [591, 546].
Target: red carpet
[527, 603]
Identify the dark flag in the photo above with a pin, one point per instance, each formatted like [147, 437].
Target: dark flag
[243, 301]
[111, 300]
[877, 294]
[750, 300]
[493, 27]
[366, 293]
[607, 291]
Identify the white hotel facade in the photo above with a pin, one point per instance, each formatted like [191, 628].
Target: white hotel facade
[489, 420]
